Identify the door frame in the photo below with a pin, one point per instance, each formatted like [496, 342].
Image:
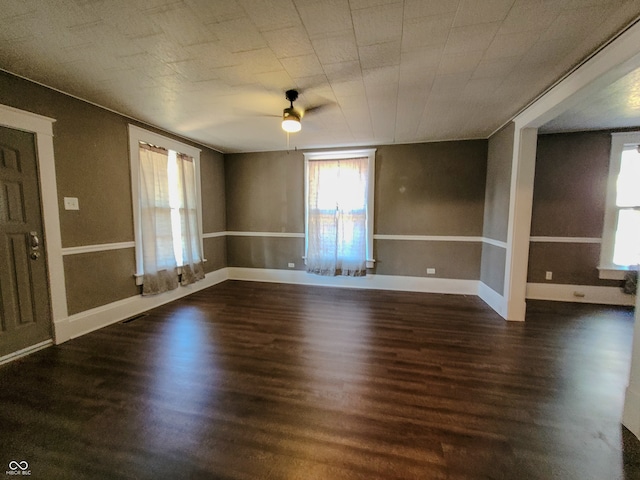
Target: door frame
[614, 60]
[42, 128]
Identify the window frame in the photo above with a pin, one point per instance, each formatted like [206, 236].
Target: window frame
[370, 154]
[136, 135]
[607, 269]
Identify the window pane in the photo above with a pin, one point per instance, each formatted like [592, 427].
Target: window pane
[338, 184]
[337, 215]
[627, 248]
[326, 188]
[628, 191]
[175, 188]
[352, 187]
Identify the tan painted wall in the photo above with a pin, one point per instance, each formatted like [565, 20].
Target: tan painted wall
[265, 252]
[459, 260]
[568, 201]
[492, 267]
[496, 207]
[431, 188]
[214, 215]
[215, 251]
[499, 159]
[265, 192]
[422, 189]
[572, 264]
[570, 184]
[92, 164]
[99, 278]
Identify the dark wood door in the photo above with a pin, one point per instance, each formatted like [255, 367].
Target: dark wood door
[25, 316]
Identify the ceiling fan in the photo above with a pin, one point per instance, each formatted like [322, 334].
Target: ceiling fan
[291, 116]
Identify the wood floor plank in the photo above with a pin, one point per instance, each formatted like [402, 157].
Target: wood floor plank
[268, 381]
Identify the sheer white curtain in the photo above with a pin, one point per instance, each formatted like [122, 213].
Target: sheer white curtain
[337, 216]
[169, 227]
[191, 258]
[160, 267]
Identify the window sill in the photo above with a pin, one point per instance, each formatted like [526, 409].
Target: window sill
[370, 263]
[614, 272]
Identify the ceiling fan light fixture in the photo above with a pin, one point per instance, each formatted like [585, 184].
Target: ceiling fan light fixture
[291, 121]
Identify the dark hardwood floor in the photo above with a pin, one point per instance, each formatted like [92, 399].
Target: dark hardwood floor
[269, 381]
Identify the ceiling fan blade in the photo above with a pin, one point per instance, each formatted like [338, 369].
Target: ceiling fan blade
[317, 108]
[254, 113]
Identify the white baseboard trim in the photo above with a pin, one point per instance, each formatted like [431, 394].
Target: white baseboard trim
[96, 318]
[492, 298]
[631, 413]
[379, 282]
[586, 294]
[99, 317]
[25, 351]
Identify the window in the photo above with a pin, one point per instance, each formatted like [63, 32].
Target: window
[166, 198]
[339, 190]
[621, 237]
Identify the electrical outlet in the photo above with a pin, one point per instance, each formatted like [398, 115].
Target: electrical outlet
[548, 276]
[71, 203]
[431, 271]
[292, 265]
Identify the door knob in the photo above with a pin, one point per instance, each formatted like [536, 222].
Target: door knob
[35, 241]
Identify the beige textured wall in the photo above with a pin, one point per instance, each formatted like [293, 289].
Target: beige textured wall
[499, 158]
[460, 260]
[568, 201]
[496, 207]
[492, 267]
[99, 278]
[215, 251]
[213, 191]
[265, 252]
[570, 184]
[214, 215]
[92, 163]
[422, 189]
[265, 192]
[430, 188]
[573, 264]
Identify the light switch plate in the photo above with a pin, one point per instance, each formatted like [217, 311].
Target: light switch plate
[71, 203]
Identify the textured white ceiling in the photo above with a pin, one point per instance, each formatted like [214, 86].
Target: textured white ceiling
[616, 106]
[387, 71]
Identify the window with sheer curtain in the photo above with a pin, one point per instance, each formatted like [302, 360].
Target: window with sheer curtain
[620, 245]
[339, 212]
[168, 240]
